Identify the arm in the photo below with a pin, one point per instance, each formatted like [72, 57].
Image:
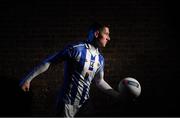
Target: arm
[104, 86]
[25, 83]
[57, 57]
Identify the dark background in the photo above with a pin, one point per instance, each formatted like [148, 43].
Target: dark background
[143, 45]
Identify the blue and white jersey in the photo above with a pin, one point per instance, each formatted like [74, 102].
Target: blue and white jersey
[82, 63]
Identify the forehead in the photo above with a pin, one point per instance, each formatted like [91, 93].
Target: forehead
[105, 29]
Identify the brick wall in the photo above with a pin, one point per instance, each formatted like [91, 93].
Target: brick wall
[142, 46]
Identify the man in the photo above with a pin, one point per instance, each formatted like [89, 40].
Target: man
[83, 63]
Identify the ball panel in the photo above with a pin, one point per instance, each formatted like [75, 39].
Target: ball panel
[129, 87]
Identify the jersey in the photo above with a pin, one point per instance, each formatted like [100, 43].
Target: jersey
[82, 63]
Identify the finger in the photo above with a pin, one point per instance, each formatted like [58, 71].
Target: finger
[27, 89]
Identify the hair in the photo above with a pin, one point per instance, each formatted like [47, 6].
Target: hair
[93, 28]
[97, 26]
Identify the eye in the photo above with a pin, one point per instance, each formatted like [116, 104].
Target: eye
[107, 34]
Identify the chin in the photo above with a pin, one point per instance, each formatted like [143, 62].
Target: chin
[103, 46]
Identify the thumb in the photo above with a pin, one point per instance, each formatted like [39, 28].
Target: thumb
[25, 86]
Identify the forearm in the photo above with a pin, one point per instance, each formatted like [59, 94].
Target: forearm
[36, 71]
[106, 88]
[103, 85]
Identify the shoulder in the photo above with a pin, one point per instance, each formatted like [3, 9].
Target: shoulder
[75, 48]
[101, 58]
[77, 45]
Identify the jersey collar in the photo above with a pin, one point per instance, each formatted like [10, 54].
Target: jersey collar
[91, 47]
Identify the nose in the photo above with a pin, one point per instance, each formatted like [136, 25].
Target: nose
[108, 38]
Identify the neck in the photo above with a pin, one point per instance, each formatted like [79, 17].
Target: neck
[94, 44]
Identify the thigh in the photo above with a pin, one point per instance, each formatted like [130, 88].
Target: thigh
[86, 110]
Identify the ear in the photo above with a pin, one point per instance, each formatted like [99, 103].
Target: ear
[96, 34]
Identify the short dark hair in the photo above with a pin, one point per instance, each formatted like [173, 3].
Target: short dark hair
[97, 26]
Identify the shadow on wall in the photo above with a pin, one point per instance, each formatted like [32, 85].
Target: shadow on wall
[13, 101]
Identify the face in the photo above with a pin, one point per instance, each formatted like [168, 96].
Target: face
[103, 37]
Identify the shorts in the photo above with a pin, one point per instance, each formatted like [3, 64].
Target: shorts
[68, 110]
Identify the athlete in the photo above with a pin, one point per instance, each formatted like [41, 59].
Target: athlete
[83, 63]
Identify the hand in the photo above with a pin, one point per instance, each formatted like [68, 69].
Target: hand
[126, 96]
[25, 86]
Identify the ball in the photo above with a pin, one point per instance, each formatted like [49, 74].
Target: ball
[129, 87]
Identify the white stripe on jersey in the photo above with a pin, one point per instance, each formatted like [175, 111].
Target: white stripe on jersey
[96, 65]
[83, 73]
[87, 63]
[78, 45]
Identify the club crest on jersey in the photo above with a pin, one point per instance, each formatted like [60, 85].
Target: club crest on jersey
[91, 67]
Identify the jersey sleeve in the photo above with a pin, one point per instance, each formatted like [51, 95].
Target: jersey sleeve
[100, 70]
[60, 56]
